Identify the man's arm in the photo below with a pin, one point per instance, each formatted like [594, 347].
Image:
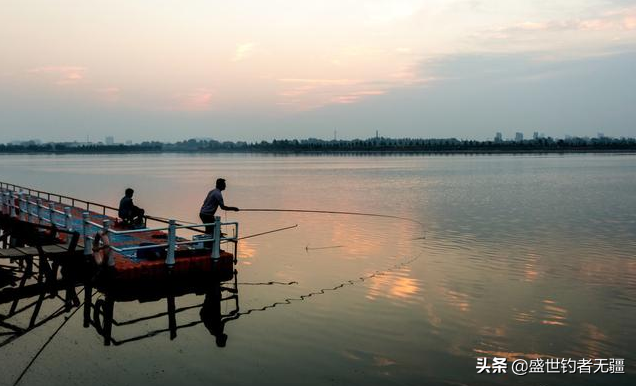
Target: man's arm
[232, 208]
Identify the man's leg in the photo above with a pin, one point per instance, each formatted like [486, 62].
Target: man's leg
[138, 216]
[207, 219]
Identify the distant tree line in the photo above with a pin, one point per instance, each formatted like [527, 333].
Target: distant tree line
[313, 145]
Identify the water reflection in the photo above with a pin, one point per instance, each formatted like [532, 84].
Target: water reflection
[217, 295]
[397, 285]
[553, 314]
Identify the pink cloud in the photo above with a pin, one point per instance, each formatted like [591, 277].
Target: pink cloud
[311, 93]
[61, 75]
[197, 100]
[618, 20]
[355, 96]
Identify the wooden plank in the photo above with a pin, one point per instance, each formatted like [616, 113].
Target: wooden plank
[12, 253]
[31, 251]
[55, 249]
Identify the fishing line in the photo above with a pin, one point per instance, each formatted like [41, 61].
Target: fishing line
[323, 291]
[270, 283]
[287, 301]
[347, 282]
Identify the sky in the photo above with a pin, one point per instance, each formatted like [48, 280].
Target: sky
[257, 70]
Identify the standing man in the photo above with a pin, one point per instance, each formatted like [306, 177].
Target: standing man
[130, 214]
[214, 200]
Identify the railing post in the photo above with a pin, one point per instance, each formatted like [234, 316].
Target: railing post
[86, 228]
[51, 211]
[12, 204]
[172, 239]
[27, 211]
[34, 209]
[107, 227]
[27, 206]
[21, 207]
[216, 243]
[68, 219]
[39, 211]
[30, 207]
[4, 201]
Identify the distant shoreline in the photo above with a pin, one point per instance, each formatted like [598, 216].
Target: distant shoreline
[330, 152]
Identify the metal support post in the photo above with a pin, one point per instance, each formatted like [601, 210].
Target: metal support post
[51, 211]
[86, 230]
[216, 243]
[172, 239]
[12, 204]
[107, 227]
[40, 211]
[68, 219]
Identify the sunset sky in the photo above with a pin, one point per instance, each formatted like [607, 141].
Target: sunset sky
[253, 70]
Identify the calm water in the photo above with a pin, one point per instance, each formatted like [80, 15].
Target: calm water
[524, 256]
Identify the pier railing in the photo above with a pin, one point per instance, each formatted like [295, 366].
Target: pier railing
[54, 199]
[60, 199]
[172, 239]
[29, 205]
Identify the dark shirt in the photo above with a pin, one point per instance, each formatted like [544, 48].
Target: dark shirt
[213, 200]
[125, 208]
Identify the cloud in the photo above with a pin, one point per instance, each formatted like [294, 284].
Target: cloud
[61, 75]
[311, 93]
[109, 94]
[197, 100]
[355, 96]
[243, 51]
[617, 20]
[321, 82]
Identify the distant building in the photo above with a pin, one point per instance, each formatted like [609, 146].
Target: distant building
[536, 135]
[519, 137]
[498, 137]
[600, 135]
[129, 142]
[110, 141]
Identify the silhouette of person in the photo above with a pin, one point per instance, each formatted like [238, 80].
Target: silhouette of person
[211, 317]
[213, 201]
[128, 212]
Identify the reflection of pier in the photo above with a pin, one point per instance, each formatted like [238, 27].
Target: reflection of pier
[88, 244]
[218, 291]
[32, 261]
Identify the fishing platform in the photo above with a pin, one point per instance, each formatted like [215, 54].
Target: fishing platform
[93, 247]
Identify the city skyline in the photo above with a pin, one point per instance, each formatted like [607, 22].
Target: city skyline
[110, 140]
[256, 71]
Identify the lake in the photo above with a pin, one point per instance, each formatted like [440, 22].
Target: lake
[508, 256]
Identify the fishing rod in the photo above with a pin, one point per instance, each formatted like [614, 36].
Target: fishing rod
[165, 219]
[337, 212]
[331, 212]
[265, 233]
[308, 248]
[177, 222]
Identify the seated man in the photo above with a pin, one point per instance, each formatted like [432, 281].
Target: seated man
[128, 212]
